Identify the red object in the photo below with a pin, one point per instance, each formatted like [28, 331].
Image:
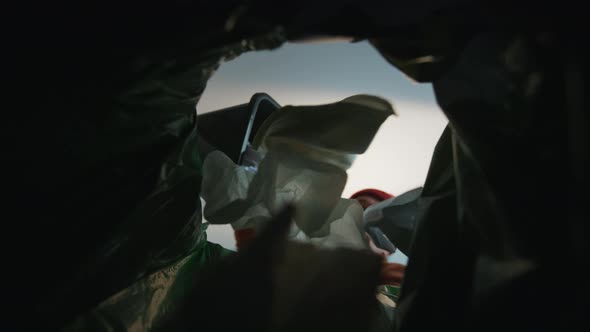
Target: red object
[243, 237]
[392, 274]
[375, 193]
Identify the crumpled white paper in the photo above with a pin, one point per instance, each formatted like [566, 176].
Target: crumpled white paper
[304, 153]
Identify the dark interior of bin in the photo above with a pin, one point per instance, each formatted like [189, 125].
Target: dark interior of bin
[97, 120]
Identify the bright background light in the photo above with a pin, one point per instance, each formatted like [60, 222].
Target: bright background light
[308, 74]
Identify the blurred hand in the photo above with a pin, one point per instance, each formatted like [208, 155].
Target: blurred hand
[381, 252]
[392, 274]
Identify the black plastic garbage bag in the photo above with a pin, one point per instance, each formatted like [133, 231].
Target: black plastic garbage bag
[105, 98]
[117, 197]
[147, 302]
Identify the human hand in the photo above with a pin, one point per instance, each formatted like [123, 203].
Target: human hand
[381, 252]
[392, 274]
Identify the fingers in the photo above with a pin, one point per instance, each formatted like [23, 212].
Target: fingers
[381, 252]
[392, 274]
